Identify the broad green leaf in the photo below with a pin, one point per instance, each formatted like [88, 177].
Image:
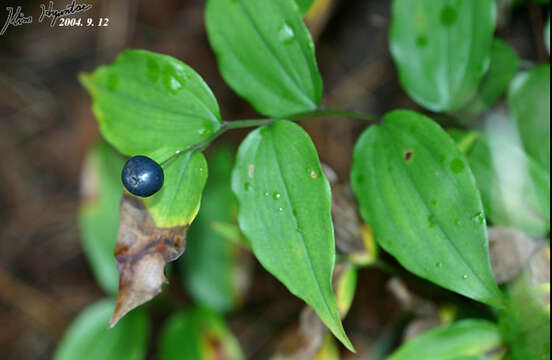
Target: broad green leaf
[89, 337]
[151, 104]
[177, 203]
[101, 191]
[471, 357]
[304, 5]
[465, 337]
[198, 334]
[284, 211]
[504, 65]
[442, 48]
[529, 103]
[417, 191]
[209, 263]
[265, 53]
[515, 189]
[525, 322]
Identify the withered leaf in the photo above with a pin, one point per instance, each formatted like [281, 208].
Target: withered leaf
[142, 251]
[511, 251]
[304, 341]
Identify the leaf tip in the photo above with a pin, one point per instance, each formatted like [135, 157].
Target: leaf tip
[86, 80]
[348, 344]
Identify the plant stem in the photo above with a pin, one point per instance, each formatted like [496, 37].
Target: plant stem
[385, 267]
[241, 124]
[300, 116]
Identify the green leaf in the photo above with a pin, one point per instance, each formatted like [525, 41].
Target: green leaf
[525, 322]
[515, 189]
[198, 334]
[529, 103]
[465, 337]
[416, 190]
[151, 104]
[266, 54]
[177, 203]
[284, 211]
[442, 49]
[504, 65]
[99, 212]
[210, 260]
[304, 5]
[89, 337]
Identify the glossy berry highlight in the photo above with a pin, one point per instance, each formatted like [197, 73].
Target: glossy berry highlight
[142, 176]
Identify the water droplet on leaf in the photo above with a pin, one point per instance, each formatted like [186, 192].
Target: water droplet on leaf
[448, 16]
[172, 80]
[276, 196]
[152, 70]
[431, 220]
[112, 82]
[457, 166]
[286, 34]
[421, 41]
[479, 218]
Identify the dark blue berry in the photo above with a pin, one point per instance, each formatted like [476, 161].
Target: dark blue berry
[142, 176]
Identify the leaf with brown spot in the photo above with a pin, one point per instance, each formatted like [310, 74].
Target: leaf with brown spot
[142, 251]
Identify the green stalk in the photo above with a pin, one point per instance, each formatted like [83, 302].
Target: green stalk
[246, 123]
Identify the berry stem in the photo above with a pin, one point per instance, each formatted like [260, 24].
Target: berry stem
[320, 112]
[246, 123]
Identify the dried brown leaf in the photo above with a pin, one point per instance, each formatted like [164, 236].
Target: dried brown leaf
[306, 340]
[510, 252]
[142, 251]
[352, 237]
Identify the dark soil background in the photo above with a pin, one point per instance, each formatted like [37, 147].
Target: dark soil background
[46, 127]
